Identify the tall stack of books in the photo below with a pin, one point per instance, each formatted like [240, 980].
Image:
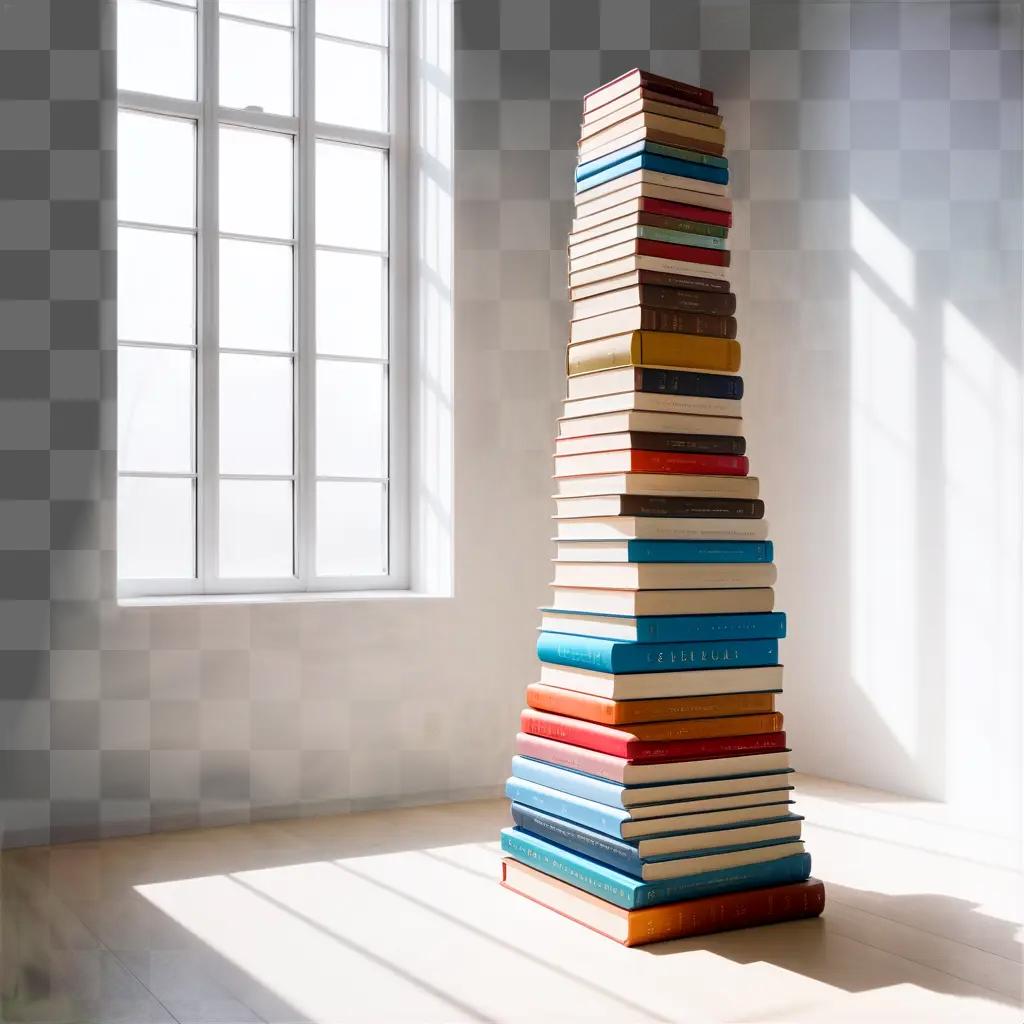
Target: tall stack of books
[651, 787]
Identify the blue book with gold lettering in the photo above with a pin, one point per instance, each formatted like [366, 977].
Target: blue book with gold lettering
[625, 656]
[654, 162]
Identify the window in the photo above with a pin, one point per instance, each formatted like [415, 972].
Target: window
[260, 413]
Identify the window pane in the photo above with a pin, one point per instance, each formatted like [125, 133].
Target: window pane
[255, 528]
[255, 415]
[255, 183]
[156, 279]
[351, 204]
[277, 11]
[156, 49]
[350, 419]
[255, 295]
[351, 85]
[155, 529]
[352, 19]
[255, 67]
[155, 393]
[351, 311]
[350, 537]
[156, 169]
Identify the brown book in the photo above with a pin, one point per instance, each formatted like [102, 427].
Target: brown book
[656, 298]
[655, 279]
[641, 318]
[683, 919]
[637, 78]
[697, 444]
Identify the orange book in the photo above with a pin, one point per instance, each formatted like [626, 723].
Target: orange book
[683, 919]
[628, 712]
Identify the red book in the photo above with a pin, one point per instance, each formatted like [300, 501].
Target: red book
[683, 211]
[633, 460]
[621, 743]
[671, 251]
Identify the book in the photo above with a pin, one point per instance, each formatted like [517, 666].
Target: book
[641, 206]
[651, 629]
[671, 506]
[691, 682]
[633, 712]
[659, 741]
[645, 484]
[650, 247]
[607, 239]
[646, 147]
[643, 101]
[604, 227]
[601, 275]
[692, 172]
[654, 380]
[701, 137]
[656, 528]
[791, 864]
[663, 575]
[656, 348]
[620, 824]
[617, 136]
[638, 79]
[747, 600]
[648, 185]
[603, 655]
[629, 460]
[684, 919]
[647, 401]
[700, 444]
[698, 853]
[641, 318]
[618, 769]
[716, 790]
[618, 551]
[654, 297]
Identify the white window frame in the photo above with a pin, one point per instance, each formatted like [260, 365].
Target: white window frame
[208, 116]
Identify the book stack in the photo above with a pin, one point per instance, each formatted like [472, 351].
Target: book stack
[651, 787]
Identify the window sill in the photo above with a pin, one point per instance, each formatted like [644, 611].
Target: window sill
[295, 597]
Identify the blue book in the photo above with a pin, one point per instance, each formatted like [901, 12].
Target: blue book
[588, 167]
[616, 795]
[630, 893]
[654, 162]
[649, 629]
[624, 656]
[690, 550]
[639, 857]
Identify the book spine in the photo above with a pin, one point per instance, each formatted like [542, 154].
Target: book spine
[590, 814]
[760, 625]
[705, 508]
[668, 208]
[738, 551]
[700, 444]
[705, 465]
[575, 759]
[690, 253]
[575, 783]
[692, 155]
[657, 752]
[726, 912]
[685, 168]
[675, 321]
[703, 241]
[655, 380]
[710, 304]
[614, 852]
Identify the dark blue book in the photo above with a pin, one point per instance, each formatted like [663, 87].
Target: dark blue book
[704, 551]
[654, 162]
[649, 629]
[630, 893]
[589, 167]
[624, 656]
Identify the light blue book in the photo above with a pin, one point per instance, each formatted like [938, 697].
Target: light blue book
[649, 629]
[589, 167]
[630, 893]
[692, 550]
[623, 656]
[655, 162]
[616, 795]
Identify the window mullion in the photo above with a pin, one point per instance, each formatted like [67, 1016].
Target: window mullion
[207, 406]
[305, 301]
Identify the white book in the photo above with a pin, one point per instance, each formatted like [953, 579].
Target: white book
[664, 575]
[655, 871]
[641, 799]
[676, 485]
[651, 422]
[657, 528]
[673, 187]
[664, 602]
[630, 264]
[698, 682]
[647, 401]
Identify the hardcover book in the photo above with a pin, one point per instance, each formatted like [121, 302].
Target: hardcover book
[652, 629]
[730, 551]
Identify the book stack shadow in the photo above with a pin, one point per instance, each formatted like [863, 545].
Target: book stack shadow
[651, 787]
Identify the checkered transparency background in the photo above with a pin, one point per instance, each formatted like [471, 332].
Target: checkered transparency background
[128, 719]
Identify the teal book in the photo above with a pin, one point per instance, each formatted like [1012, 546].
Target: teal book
[680, 237]
[649, 629]
[630, 893]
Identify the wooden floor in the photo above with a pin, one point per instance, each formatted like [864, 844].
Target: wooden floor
[397, 916]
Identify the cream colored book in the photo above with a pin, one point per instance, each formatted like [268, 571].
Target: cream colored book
[650, 401]
[636, 102]
[664, 575]
[601, 528]
[646, 685]
[682, 485]
[650, 184]
[597, 134]
[653, 422]
[665, 602]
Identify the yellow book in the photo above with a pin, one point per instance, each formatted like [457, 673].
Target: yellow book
[655, 348]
